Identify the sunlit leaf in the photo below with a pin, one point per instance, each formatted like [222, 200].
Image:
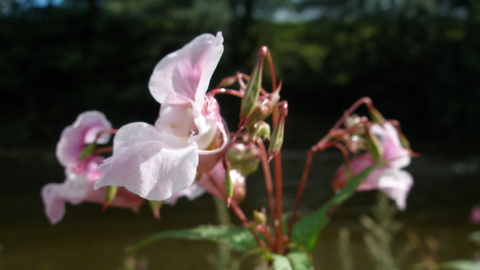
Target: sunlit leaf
[281, 262]
[240, 239]
[306, 231]
[461, 265]
[299, 260]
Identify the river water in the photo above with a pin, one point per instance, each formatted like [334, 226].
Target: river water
[445, 189]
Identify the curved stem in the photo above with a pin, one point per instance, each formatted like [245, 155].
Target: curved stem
[231, 92]
[268, 180]
[301, 188]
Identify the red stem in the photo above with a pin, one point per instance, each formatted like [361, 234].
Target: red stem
[102, 150]
[277, 162]
[232, 92]
[111, 131]
[268, 180]
[301, 188]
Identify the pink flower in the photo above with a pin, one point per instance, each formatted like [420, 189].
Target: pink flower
[78, 187]
[475, 214]
[81, 174]
[160, 160]
[390, 178]
[83, 131]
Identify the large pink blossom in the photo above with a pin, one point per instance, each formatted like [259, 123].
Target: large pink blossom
[390, 178]
[78, 188]
[189, 136]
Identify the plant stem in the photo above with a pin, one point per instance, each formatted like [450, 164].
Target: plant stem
[268, 180]
[301, 188]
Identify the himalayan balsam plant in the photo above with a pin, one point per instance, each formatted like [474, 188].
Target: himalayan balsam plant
[188, 152]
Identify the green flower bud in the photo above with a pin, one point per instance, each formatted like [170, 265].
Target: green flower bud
[244, 158]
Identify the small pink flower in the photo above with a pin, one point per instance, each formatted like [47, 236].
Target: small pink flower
[390, 178]
[475, 214]
[78, 188]
[81, 174]
[83, 131]
[157, 161]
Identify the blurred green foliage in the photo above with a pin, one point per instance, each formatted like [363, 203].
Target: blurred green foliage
[421, 69]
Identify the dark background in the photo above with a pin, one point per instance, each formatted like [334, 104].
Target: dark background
[419, 61]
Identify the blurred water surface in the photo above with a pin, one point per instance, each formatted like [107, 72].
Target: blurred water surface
[446, 187]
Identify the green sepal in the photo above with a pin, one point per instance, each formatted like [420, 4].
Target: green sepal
[306, 231]
[240, 239]
[110, 192]
[156, 206]
[229, 187]
[87, 150]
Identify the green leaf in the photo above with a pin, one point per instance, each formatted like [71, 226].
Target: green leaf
[281, 262]
[306, 231]
[240, 239]
[461, 265]
[299, 260]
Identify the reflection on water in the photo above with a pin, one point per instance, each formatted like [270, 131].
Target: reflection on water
[87, 238]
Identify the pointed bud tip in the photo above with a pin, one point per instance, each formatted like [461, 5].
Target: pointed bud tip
[156, 214]
[105, 206]
[229, 201]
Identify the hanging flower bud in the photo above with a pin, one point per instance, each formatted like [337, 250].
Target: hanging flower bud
[258, 130]
[244, 158]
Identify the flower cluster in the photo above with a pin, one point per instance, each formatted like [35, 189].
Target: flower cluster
[188, 152]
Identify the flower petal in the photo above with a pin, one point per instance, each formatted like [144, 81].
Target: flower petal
[192, 192]
[396, 184]
[186, 73]
[151, 169]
